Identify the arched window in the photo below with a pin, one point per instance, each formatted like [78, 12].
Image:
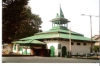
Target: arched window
[14, 47]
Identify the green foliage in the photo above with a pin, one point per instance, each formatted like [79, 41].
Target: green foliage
[96, 48]
[18, 20]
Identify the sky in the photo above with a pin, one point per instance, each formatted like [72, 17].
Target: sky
[72, 10]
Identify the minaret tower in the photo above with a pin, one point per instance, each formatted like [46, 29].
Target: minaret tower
[59, 20]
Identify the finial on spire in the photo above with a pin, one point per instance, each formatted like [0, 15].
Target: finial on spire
[61, 12]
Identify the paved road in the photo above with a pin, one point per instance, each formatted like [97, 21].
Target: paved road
[46, 60]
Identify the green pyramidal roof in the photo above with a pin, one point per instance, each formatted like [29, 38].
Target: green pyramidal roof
[28, 41]
[60, 29]
[58, 32]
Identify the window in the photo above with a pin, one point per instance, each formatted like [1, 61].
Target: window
[20, 48]
[59, 46]
[72, 43]
[78, 43]
[14, 47]
[84, 44]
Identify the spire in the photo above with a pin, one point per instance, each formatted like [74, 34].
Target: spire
[61, 12]
[60, 20]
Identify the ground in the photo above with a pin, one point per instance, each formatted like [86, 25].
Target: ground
[36, 59]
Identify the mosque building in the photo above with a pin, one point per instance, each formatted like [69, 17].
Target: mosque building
[55, 42]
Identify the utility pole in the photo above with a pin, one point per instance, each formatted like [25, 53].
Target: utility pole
[90, 29]
[70, 48]
[70, 40]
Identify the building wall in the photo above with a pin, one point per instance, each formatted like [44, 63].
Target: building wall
[74, 48]
[28, 51]
[25, 51]
[97, 43]
[81, 48]
[21, 51]
[53, 43]
[96, 37]
[64, 43]
[15, 51]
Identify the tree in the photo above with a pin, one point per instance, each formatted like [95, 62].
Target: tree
[18, 20]
[96, 48]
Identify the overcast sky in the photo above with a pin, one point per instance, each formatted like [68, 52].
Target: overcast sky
[72, 10]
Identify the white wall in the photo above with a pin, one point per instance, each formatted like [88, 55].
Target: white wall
[15, 51]
[20, 52]
[24, 51]
[53, 43]
[64, 43]
[97, 43]
[81, 48]
[76, 48]
[28, 51]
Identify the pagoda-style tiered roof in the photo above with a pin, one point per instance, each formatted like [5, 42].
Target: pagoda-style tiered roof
[58, 32]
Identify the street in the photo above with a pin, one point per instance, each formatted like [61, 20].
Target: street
[36, 59]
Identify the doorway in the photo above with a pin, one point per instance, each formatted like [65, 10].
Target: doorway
[52, 51]
[63, 51]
